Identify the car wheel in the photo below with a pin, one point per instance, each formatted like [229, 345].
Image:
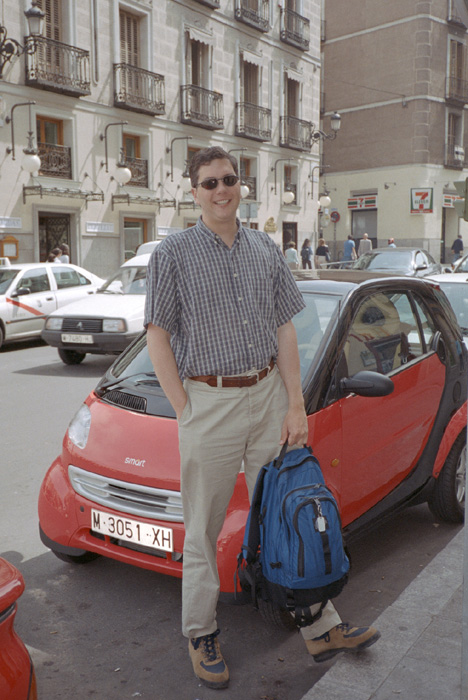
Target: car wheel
[84, 558]
[71, 357]
[274, 615]
[447, 500]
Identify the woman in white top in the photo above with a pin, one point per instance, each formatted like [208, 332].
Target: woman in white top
[291, 256]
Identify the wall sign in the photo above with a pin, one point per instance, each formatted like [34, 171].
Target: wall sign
[99, 227]
[421, 200]
[365, 202]
[10, 222]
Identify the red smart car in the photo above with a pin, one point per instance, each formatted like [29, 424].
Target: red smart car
[17, 678]
[114, 490]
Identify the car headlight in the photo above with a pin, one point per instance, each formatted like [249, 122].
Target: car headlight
[54, 324]
[78, 430]
[114, 325]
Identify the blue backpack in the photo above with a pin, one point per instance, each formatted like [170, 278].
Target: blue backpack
[293, 552]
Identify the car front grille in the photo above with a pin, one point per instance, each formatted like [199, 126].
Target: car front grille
[121, 398]
[145, 501]
[82, 325]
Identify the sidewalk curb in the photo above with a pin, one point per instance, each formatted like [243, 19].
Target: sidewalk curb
[390, 662]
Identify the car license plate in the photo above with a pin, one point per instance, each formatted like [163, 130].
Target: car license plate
[77, 338]
[132, 531]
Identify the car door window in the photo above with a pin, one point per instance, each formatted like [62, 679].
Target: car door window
[383, 336]
[66, 277]
[36, 280]
[427, 324]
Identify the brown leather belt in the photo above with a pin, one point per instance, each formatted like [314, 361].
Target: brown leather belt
[247, 380]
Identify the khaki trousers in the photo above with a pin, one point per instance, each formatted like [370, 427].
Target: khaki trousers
[218, 430]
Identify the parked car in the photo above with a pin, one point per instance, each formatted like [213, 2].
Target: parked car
[115, 488]
[105, 324]
[17, 677]
[415, 262]
[31, 291]
[461, 265]
[147, 247]
[455, 288]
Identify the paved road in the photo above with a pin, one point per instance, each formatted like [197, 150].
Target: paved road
[107, 631]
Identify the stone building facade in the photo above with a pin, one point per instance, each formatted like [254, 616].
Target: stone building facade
[397, 73]
[142, 84]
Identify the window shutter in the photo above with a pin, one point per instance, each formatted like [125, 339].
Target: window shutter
[129, 39]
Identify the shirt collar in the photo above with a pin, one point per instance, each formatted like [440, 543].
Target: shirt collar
[214, 236]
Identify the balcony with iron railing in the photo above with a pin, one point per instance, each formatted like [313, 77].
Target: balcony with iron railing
[295, 30]
[253, 122]
[138, 90]
[457, 91]
[214, 4]
[295, 133]
[55, 160]
[454, 155]
[201, 107]
[52, 65]
[139, 170]
[255, 13]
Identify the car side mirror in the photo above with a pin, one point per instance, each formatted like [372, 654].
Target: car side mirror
[367, 383]
[20, 292]
[421, 267]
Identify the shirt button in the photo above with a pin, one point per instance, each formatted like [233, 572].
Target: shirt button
[245, 321]
[235, 274]
[239, 299]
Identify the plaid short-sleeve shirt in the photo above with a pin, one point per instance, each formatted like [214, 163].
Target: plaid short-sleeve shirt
[222, 306]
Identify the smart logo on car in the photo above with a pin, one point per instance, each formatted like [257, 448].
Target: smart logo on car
[135, 462]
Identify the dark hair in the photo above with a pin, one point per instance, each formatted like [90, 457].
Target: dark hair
[56, 251]
[205, 157]
[64, 248]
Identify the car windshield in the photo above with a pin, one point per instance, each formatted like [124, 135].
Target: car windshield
[127, 280]
[458, 298]
[311, 325]
[463, 266]
[6, 275]
[395, 260]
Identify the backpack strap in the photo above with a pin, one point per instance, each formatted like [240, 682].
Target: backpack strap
[255, 516]
[304, 617]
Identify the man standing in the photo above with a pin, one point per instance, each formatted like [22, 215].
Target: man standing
[220, 336]
[457, 248]
[365, 245]
[349, 250]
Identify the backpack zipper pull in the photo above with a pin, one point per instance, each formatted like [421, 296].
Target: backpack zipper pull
[320, 521]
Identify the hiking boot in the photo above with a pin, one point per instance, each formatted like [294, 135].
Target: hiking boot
[341, 638]
[208, 662]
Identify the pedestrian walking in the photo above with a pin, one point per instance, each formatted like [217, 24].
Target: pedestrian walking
[457, 248]
[306, 254]
[218, 314]
[349, 250]
[322, 254]
[291, 256]
[365, 245]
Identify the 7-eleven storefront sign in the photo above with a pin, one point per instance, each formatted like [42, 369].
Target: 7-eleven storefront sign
[364, 202]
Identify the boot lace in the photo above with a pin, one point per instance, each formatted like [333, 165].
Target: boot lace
[210, 645]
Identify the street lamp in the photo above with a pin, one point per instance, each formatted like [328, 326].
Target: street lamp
[335, 124]
[288, 195]
[9, 48]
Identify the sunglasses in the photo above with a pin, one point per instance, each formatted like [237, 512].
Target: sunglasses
[212, 182]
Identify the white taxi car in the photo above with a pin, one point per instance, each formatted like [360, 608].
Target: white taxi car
[31, 291]
[105, 324]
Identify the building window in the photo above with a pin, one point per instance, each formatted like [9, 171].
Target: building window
[457, 86]
[55, 157]
[200, 106]
[131, 145]
[454, 151]
[295, 132]
[129, 39]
